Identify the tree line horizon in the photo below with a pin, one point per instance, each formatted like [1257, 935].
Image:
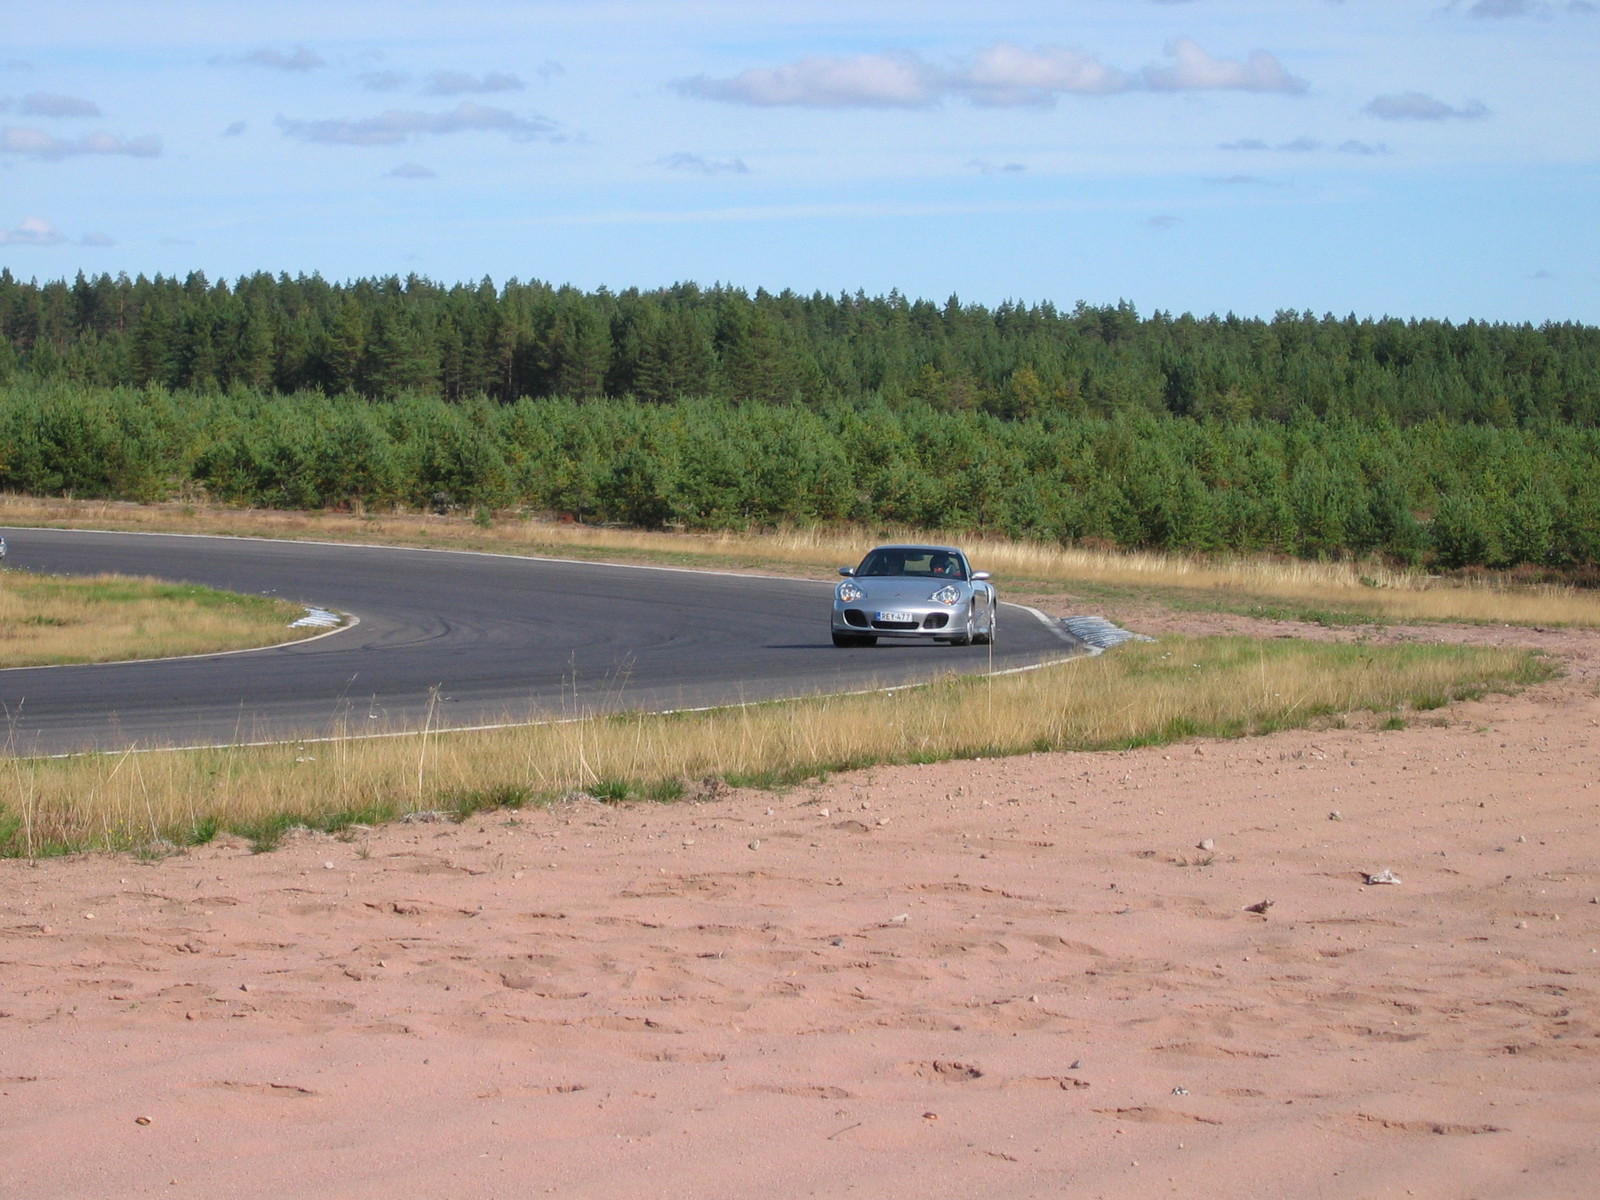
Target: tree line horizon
[1417, 440]
[381, 337]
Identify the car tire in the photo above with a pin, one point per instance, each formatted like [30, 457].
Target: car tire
[986, 638]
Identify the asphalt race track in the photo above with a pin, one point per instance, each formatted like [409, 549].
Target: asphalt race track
[473, 638]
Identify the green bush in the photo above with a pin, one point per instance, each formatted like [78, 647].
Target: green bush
[1454, 494]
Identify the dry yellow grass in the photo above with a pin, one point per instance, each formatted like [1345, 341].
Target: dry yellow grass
[1338, 587]
[1136, 695]
[49, 619]
[1360, 588]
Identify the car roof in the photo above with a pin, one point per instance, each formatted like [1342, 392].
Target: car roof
[914, 546]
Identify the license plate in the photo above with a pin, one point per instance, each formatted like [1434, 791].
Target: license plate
[897, 616]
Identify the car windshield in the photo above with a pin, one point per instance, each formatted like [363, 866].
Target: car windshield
[921, 564]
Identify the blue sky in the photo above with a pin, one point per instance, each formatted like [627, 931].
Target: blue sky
[1368, 156]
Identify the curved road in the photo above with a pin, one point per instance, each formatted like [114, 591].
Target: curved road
[478, 638]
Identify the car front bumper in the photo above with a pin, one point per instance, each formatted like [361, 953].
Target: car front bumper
[927, 620]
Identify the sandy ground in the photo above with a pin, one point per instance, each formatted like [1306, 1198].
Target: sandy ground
[988, 979]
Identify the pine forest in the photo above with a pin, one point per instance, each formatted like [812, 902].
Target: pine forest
[1415, 441]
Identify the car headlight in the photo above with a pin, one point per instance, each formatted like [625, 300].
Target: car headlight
[948, 594]
[849, 593]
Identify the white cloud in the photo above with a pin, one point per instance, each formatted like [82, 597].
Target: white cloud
[46, 104]
[413, 170]
[106, 143]
[1497, 9]
[34, 231]
[96, 239]
[1306, 145]
[984, 167]
[395, 126]
[454, 83]
[1416, 106]
[36, 143]
[1007, 74]
[1002, 74]
[444, 83]
[865, 81]
[298, 59]
[1193, 70]
[684, 161]
[1161, 220]
[384, 81]
[1235, 180]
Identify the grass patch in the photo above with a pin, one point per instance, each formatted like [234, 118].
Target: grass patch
[665, 791]
[1330, 592]
[464, 804]
[1327, 618]
[52, 619]
[1138, 696]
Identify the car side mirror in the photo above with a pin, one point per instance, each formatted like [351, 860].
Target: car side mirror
[979, 576]
[847, 570]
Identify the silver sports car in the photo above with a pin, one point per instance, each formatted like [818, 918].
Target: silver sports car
[924, 592]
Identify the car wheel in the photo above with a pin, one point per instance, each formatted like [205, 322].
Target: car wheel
[986, 638]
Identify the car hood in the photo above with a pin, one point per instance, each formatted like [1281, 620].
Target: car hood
[883, 590]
